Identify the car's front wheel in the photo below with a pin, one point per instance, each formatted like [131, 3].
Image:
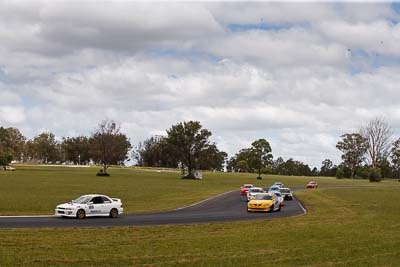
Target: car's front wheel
[80, 214]
[114, 213]
[271, 209]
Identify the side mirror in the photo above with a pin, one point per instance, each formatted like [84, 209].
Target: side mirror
[90, 203]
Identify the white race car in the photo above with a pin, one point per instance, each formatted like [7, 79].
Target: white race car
[279, 197]
[252, 192]
[90, 205]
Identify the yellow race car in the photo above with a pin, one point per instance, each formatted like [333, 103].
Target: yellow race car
[264, 202]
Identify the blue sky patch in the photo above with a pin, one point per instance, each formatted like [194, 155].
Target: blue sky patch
[396, 7]
[260, 26]
[193, 55]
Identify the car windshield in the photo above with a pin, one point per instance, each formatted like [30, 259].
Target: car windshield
[274, 188]
[263, 197]
[285, 191]
[312, 183]
[256, 190]
[81, 200]
[248, 186]
[278, 194]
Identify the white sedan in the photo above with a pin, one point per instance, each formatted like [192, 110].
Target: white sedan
[279, 197]
[253, 192]
[90, 205]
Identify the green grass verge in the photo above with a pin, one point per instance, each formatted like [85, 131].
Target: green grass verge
[344, 227]
[38, 189]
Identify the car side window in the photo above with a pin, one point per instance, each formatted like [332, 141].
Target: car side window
[106, 200]
[97, 200]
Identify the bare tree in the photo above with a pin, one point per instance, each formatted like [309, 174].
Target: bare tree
[378, 134]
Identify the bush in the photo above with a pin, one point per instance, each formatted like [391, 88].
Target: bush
[363, 173]
[340, 173]
[5, 159]
[101, 173]
[375, 175]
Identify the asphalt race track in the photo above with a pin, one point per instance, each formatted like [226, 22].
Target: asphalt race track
[227, 207]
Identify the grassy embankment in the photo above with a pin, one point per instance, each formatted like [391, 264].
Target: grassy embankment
[37, 190]
[344, 227]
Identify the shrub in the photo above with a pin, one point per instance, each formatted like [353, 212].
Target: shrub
[5, 159]
[102, 173]
[375, 175]
[340, 173]
[363, 172]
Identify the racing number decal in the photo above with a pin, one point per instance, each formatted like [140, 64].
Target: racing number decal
[92, 210]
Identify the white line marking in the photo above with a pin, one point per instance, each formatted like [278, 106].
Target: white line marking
[300, 205]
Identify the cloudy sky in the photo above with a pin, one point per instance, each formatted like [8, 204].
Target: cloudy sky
[296, 74]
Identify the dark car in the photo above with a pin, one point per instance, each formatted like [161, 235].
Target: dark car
[286, 193]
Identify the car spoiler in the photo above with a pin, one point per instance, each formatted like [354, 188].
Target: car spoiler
[116, 199]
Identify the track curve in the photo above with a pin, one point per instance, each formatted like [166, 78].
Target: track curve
[227, 207]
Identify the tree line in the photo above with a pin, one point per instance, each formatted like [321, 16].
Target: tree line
[249, 160]
[369, 153]
[106, 146]
[187, 146]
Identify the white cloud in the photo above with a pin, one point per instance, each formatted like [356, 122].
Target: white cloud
[12, 114]
[380, 36]
[296, 46]
[67, 66]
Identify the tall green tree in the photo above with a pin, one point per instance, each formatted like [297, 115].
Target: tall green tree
[11, 145]
[395, 156]
[76, 149]
[188, 140]
[353, 146]
[212, 158]
[327, 168]
[155, 152]
[277, 165]
[262, 156]
[245, 160]
[242, 166]
[108, 145]
[44, 147]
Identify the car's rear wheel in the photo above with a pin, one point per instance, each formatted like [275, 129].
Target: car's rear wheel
[114, 213]
[80, 214]
[280, 206]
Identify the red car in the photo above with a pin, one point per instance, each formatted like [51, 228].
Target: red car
[245, 188]
[312, 184]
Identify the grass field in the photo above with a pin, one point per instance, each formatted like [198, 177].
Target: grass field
[37, 190]
[343, 227]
